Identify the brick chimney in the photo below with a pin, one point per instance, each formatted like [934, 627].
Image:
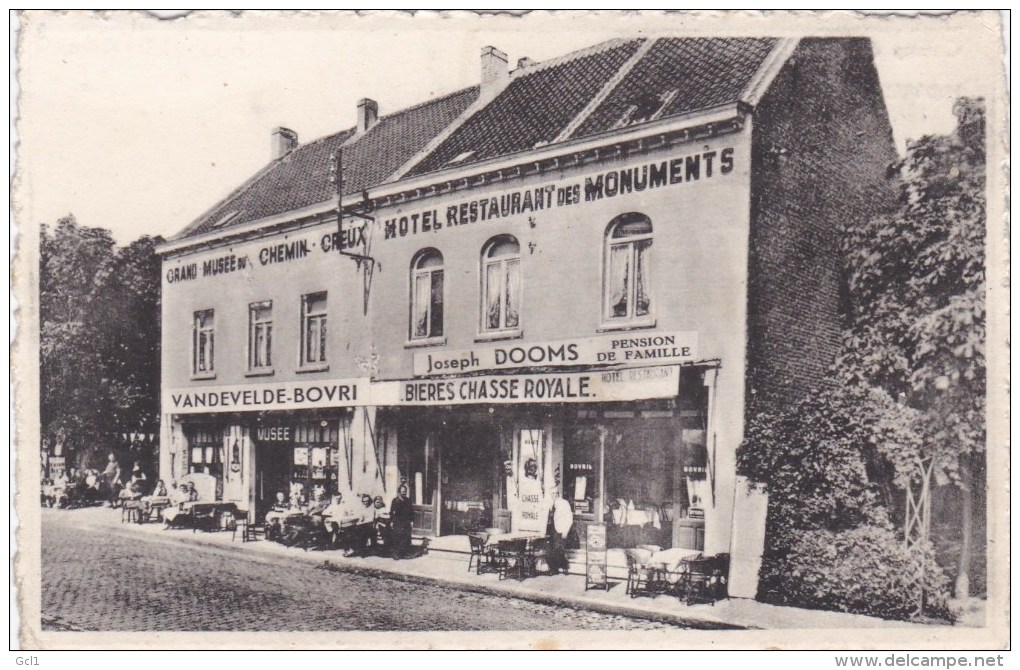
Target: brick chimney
[283, 141]
[368, 114]
[495, 74]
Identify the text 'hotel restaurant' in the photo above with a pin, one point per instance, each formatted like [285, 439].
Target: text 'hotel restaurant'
[576, 278]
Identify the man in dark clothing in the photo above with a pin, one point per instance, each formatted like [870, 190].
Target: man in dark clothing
[401, 517]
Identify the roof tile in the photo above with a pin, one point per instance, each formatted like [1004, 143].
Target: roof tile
[687, 74]
[532, 109]
[301, 178]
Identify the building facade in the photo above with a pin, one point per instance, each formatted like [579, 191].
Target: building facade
[577, 278]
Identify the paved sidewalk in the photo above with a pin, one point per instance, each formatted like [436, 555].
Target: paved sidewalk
[449, 568]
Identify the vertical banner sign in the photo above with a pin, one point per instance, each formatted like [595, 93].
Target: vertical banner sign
[531, 513]
[595, 576]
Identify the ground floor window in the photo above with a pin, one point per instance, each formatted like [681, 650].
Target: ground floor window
[205, 450]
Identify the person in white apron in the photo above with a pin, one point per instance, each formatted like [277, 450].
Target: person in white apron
[562, 520]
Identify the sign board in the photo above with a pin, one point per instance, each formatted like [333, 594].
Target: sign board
[604, 386]
[263, 397]
[56, 467]
[627, 348]
[531, 514]
[595, 569]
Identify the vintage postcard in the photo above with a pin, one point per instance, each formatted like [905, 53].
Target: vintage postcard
[528, 330]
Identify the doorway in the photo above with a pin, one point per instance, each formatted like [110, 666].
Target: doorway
[468, 456]
[272, 474]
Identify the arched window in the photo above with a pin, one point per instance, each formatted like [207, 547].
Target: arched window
[501, 284]
[628, 251]
[427, 294]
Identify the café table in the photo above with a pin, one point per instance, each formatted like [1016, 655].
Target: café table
[207, 514]
[670, 566]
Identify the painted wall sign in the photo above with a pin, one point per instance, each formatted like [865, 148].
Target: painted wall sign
[353, 234]
[250, 256]
[262, 397]
[635, 179]
[646, 348]
[605, 386]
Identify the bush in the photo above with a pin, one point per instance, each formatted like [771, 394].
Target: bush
[867, 570]
[829, 540]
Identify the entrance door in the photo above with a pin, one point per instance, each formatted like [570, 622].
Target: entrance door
[272, 474]
[468, 457]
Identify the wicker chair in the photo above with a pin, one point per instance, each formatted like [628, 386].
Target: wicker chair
[640, 578]
[512, 558]
[481, 557]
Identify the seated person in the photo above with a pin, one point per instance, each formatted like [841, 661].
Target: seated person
[158, 500]
[342, 518]
[275, 515]
[175, 514]
[60, 486]
[308, 529]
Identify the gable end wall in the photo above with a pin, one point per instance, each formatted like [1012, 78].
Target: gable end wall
[821, 144]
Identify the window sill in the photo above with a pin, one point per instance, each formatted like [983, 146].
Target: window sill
[426, 342]
[261, 372]
[198, 376]
[312, 367]
[497, 335]
[634, 324]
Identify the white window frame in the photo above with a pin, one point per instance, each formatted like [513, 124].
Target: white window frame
[306, 361]
[257, 323]
[418, 272]
[198, 329]
[631, 242]
[485, 332]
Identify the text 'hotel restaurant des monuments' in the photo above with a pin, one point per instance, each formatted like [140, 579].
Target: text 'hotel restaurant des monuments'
[577, 278]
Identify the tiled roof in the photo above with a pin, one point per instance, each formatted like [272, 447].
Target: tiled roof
[533, 108]
[686, 74]
[301, 178]
[673, 76]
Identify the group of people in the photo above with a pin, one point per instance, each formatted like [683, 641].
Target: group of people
[354, 524]
[89, 486]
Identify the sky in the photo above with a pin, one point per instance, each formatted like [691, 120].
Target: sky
[139, 125]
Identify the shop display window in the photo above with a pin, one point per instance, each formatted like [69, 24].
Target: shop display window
[205, 453]
[315, 457]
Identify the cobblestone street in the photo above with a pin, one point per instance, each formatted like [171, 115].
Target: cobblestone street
[113, 579]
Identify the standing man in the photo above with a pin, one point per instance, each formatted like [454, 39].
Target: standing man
[401, 518]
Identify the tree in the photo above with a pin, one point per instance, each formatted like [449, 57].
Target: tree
[917, 287]
[99, 337]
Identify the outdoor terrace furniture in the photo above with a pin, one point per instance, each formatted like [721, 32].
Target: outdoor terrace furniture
[537, 551]
[154, 507]
[209, 516]
[132, 511]
[642, 578]
[482, 556]
[512, 558]
[705, 579]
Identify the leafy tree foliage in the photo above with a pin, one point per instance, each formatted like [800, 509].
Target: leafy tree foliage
[99, 337]
[917, 284]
